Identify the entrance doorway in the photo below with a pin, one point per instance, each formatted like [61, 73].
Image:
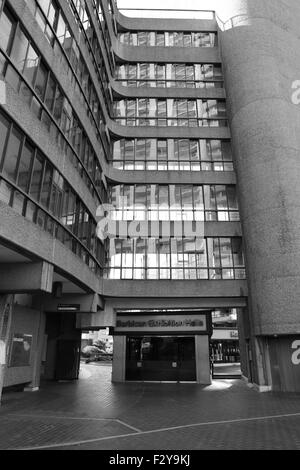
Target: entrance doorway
[224, 344]
[161, 358]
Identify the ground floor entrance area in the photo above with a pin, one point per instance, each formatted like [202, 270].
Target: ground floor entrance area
[161, 358]
[162, 346]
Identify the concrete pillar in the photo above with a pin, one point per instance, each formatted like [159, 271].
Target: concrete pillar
[119, 359]
[203, 375]
[37, 362]
[5, 321]
[26, 277]
[261, 57]
[261, 61]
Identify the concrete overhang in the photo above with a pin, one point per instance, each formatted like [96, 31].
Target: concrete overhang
[26, 277]
[164, 55]
[164, 23]
[79, 303]
[168, 132]
[173, 288]
[121, 92]
[169, 177]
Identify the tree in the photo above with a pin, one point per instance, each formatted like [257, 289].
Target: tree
[100, 344]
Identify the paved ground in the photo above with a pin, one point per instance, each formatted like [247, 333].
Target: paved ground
[93, 413]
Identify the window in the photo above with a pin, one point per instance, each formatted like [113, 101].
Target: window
[50, 93]
[7, 26]
[37, 176]
[12, 154]
[19, 49]
[31, 64]
[25, 166]
[4, 127]
[177, 154]
[41, 79]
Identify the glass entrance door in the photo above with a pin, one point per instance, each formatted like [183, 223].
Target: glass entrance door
[161, 358]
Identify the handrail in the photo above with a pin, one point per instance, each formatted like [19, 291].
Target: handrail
[54, 218]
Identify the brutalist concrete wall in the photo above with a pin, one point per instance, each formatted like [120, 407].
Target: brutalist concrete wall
[261, 61]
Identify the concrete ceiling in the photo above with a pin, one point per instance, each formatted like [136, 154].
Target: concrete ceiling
[10, 256]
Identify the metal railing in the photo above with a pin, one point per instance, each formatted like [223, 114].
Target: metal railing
[169, 83]
[171, 122]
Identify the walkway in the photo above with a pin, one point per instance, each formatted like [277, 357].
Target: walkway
[93, 413]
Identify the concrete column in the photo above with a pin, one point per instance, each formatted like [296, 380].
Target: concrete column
[261, 57]
[119, 359]
[203, 375]
[261, 61]
[37, 362]
[5, 321]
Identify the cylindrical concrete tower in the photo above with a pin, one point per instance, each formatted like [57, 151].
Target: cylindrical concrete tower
[261, 61]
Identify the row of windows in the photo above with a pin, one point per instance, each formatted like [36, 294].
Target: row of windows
[170, 112]
[172, 154]
[46, 98]
[85, 24]
[37, 185]
[179, 153]
[169, 39]
[105, 36]
[62, 40]
[174, 202]
[170, 75]
[179, 258]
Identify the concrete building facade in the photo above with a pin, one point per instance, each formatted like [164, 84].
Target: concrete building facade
[148, 178]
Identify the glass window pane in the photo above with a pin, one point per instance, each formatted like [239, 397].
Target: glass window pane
[209, 197]
[6, 31]
[162, 150]
[213, 252]
[140, 150]
[19, 49]
[40, 83]
[225, 250]
[36, 177]
[232, 198]
[198, 197]
[61, 29]
[152, 253]
[237, 250]
[139, 259]
[46, 190]
[24, 166]
[57, 111]
[194, 150]
[4, 126]
[221, 198]
[151, 149]
[44, 4]
[5, 192]
[12, 154]
[201, 253]
[31, 64]
[50, 93]
[226, 151]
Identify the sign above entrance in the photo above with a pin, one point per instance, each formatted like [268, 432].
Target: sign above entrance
[191, 322]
